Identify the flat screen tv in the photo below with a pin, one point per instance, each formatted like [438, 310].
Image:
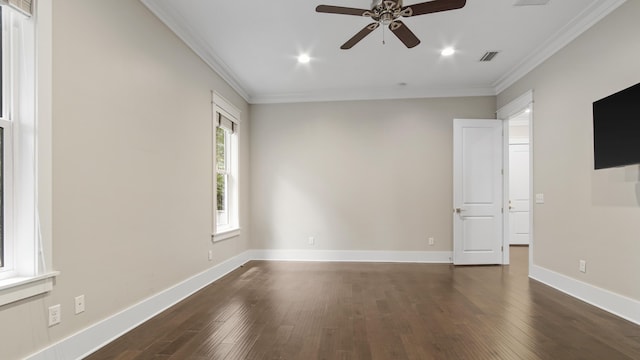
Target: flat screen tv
[616, 129]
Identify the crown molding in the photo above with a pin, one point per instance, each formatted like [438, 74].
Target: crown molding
[581, 23]
[370, 94]
[198, 45]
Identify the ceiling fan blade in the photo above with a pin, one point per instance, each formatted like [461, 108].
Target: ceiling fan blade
[330, 9]
[359, 36]
[404, 34]
[432, 7]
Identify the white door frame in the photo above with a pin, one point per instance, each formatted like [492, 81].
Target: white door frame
[504, 113]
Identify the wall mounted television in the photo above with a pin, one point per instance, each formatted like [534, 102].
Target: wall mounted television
[616, 129]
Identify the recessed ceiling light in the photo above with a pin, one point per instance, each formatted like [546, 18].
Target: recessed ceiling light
[304, 59]
[527, 111]
[448, 51]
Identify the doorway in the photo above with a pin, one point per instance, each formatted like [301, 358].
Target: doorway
[518, 190]
[518, 209]
[477, 184]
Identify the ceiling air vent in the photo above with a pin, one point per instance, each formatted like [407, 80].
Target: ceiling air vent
[488, 56]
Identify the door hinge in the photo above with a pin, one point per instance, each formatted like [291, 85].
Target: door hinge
[502, 171]
[502, 210]
[502, 248]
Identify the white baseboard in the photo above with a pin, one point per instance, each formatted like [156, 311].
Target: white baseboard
[606, 300]
[87, 341]
[354, 256]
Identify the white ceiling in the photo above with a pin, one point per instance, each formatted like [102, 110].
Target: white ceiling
[253, 45]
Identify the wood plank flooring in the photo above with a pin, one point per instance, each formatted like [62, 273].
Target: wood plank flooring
[303, 311]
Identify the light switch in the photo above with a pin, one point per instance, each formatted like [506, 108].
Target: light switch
[540, 198]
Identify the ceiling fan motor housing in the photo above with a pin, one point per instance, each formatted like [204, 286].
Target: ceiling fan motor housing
[386, 11]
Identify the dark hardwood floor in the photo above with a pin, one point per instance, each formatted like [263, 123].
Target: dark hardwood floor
[302, 311]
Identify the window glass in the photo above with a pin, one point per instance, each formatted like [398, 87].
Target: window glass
[222, 177]
[221, 196]
[221, 144]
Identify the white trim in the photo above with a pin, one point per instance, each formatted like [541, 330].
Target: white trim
[581, 23]
[226, 108]
[87, 341]
[515, 106]
[18, 288]
[199, 46]
[616, 304]
[226, 234]
[354, 256]
[506, 233]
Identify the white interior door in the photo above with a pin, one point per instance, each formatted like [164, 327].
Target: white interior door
[477, 192]
[519, 194]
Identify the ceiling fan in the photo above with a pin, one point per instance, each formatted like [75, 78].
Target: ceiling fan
[388, 12]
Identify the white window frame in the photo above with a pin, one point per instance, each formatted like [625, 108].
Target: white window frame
[6, 263]
[226, 231]
[27, 254]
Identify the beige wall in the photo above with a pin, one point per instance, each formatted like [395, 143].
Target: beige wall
[588, 214]
[364, 175]
[131, 168]
[132, 174]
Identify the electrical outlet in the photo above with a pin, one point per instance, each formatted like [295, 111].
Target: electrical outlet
[79, 304]
[583, 266]
[55, 315]
[432, 241]
[210, 256]
[312, 240]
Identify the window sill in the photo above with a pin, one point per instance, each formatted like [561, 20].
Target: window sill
[226, 234]
[18, 288]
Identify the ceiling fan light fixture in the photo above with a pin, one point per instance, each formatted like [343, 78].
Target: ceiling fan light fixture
[448, 51]
[386, 18]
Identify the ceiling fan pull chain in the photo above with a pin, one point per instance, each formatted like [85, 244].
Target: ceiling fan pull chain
[383, 43]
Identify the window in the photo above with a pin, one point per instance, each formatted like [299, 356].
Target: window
[222, 176]
[225, 164]
[6, 156]
[24, 253]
